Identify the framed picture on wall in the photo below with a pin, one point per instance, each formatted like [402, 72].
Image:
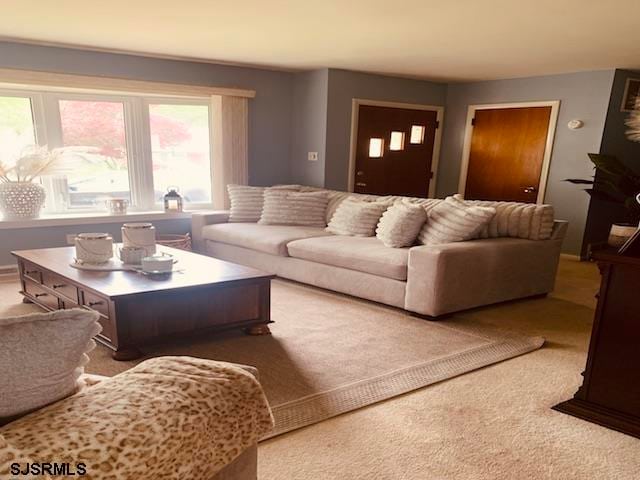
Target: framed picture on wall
[631, 91]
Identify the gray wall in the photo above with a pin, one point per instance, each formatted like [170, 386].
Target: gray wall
[269, 113]
[41, 237]
[309, 127]
[345, 86]
[614, 142]
[583, 96]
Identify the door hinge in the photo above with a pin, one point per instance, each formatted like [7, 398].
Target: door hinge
[473, 121]
[437, 124]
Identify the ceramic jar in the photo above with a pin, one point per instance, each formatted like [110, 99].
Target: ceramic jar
[94, 248]
[140, 235]
[21, 200]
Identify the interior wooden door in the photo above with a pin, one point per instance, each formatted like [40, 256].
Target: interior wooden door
[403, 166]
[507, 153]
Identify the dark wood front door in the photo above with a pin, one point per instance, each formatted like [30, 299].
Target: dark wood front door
[402, 164]
[507, 152]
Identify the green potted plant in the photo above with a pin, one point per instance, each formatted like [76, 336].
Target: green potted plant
[617, 183]
[20, 196]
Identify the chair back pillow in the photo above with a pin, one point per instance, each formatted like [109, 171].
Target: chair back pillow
[400, 225]
[42, 357]
[294, 208]
[453, 220]
[357, 217]
[246, 203]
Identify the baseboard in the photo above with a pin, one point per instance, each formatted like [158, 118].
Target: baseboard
[8, 270]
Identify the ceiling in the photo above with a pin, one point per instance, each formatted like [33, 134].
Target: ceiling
[454, 40]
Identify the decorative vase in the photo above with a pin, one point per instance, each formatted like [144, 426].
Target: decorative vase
[21, 200]
[620, 233]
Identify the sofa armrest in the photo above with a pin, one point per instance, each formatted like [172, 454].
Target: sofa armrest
[199, 220]
[456, 276]
[185, 415]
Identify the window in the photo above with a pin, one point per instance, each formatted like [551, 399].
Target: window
[397, 141]
[180, 150]
[17, 129]
[125, 146]
[376, 147]
[94, 133]
[417, 134]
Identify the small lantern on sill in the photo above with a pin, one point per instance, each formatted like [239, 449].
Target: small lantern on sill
[172, 200]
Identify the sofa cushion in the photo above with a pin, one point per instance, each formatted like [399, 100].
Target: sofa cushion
[366, 254]
[400, 225]
[271, 239]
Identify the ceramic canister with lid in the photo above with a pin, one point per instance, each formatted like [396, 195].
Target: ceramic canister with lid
[139, 235]
[93, 247]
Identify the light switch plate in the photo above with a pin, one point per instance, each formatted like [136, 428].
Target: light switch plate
[312, 156]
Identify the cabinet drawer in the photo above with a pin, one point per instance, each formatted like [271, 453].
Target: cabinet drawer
[32, 272]
[94, 302]
[61, 286]
[41, 296]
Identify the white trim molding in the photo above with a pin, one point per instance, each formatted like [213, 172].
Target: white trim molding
[435, 158]
[548, 149]
[14, 78]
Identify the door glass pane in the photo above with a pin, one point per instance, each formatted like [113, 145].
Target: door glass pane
[96, 153]
[397, 141]
[16, 128]
[180, 150]
[376, 147]
[417, 134]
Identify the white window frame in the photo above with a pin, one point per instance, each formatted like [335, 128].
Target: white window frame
[47, 127]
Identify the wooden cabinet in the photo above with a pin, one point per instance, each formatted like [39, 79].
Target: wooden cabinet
[610, 392]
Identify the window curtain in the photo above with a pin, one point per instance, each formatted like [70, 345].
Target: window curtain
[231, 146]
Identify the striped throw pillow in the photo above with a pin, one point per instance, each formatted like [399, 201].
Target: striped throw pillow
[357, 217]
[294, 208]
[246, 203]
[453, 220]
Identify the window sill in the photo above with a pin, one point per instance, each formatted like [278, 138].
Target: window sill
[90, 219]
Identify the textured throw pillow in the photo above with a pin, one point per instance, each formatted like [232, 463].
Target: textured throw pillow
[294, 208]
[356, 217]
[453, 220]
[42, 357]
[246, 203]
[400, 225]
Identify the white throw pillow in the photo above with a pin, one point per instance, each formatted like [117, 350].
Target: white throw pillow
[294, 208]
[454, 221]
[356, 217]
[246, 203]
[400, 225]
[42, 357]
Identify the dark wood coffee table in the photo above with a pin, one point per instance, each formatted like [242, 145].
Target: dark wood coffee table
[208, 295]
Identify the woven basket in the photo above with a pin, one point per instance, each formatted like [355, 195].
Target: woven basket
[183, 242]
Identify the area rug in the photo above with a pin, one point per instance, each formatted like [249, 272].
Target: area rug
[330, 354]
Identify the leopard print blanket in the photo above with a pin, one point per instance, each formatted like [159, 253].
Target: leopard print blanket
[166, 418]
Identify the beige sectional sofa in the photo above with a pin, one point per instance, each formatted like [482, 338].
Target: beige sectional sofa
[427, 280]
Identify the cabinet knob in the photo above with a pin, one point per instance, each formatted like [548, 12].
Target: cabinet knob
[38, 295]
[59, 285]
[93, 304]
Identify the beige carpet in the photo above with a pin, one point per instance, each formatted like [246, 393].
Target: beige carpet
[494, 423]
[330, 354]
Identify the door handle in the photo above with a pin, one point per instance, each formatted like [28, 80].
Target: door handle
[530, 189]
[361, 184]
